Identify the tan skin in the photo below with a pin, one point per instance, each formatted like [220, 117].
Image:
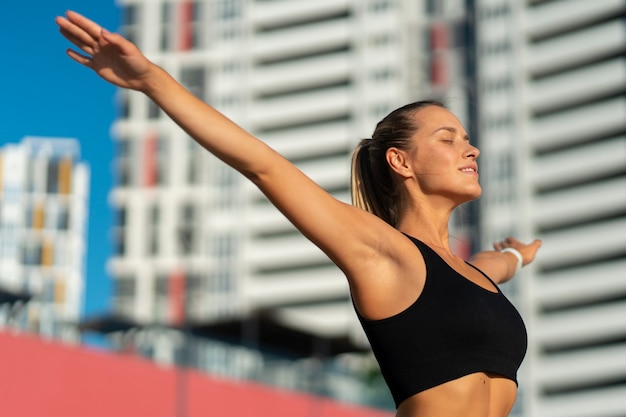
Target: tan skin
[385, 271]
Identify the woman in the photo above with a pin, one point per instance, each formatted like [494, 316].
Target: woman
[466, 340]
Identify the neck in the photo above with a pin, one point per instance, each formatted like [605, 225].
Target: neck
[428, 225]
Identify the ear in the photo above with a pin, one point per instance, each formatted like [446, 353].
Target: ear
[399, 162]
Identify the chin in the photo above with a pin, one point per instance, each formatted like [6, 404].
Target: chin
[472, 195]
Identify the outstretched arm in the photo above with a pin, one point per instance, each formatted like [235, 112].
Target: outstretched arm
[502, 266]
[346, 234]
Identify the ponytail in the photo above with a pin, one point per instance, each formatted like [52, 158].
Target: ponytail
[373, 187]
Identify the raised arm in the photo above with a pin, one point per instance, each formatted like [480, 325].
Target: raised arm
[501, 265]
[346, 234]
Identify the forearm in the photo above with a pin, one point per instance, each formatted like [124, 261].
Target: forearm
[499, 266]
[211, 129]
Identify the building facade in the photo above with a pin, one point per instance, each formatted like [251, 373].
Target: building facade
[551, 84]
[197, 245]
[539, 85]
[44, 191]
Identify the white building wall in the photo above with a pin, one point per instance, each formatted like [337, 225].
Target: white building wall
[44, 191]
[310, 79]
[555, 168]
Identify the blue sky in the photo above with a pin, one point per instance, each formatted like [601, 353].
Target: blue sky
[44, 93]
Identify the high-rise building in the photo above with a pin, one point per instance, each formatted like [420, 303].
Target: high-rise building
[539, 85]
[196, 243]
[551, 90]
[43, 213]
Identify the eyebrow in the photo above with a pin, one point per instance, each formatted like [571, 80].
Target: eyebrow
[452, 130]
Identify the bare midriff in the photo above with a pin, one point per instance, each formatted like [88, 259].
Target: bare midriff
[475, 395]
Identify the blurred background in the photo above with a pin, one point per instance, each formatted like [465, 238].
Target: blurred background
[138, 273]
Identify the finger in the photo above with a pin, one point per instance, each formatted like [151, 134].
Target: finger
[123, 45]
[70, 30]
[89, 26]
[81, 59]
[76, 41]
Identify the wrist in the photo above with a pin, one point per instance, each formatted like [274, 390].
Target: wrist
[518, 257]
[153, 81]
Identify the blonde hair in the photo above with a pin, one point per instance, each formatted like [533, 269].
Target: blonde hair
[373, 187]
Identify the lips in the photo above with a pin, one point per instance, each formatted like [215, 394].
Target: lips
[471, 169]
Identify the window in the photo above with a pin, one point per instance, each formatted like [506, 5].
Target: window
[188, 229]
[162, 160]
[124, 165]
[222, 281]
[63, 217]
[119, 232]
[125, 287]
[195, 156]
[167, 27]
[191, 29]
[153, 241]
[52, 176]
[379, 5]
[155, 160]
[123, 102]
[224, 246]
[228, 9]
[130, 23]
[31, 253]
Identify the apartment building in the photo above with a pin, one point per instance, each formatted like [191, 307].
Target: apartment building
[44, 191]
[551, 82]
[199, 247]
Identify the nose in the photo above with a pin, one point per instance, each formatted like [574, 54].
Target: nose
[472, 152]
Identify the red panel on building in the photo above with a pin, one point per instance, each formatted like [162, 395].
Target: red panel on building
[438, 36]
[150, 154]
[176, 296]
[185, 34]
[439, 45]
[46, 378]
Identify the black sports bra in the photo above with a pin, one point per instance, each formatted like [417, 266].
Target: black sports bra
[455, 328]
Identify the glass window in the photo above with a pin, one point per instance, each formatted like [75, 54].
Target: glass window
[153, 243]
[130, 23]
[52, 176]
[123, 103]
[167, 27]
[191, 30]
[197, 31]
[196, 155]
[161, 285]
[63, 217]
[31, 253]
[125, 287]
[222, 281]
[228, 9]
[119, 232]
[162, 158]
[188, 229]
[124, 166]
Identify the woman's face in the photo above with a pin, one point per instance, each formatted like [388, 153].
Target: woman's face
[443, 159]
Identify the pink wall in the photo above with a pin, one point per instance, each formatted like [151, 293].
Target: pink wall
[46, 378]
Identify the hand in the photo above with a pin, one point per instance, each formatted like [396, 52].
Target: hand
[528, 251]
[112, 57]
